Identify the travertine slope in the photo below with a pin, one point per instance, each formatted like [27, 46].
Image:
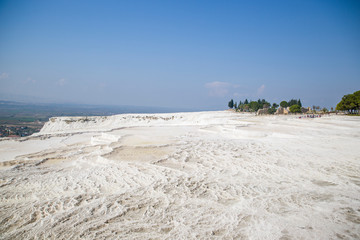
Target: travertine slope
[208, 175]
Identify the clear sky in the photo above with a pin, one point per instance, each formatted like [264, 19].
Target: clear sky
[189, 54]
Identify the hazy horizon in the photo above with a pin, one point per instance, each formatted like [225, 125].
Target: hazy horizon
[61, 108]
[190, 55]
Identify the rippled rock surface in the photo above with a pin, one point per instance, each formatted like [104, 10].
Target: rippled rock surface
[208, 175]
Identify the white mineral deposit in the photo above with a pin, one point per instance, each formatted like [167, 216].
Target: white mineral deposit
[205, 175]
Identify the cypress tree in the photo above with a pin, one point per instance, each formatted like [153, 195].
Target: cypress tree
[231, 103]
[292, 102]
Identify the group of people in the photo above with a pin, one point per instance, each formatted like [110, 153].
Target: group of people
[311, 116]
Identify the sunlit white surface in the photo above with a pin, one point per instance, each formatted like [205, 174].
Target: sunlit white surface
[207, 175]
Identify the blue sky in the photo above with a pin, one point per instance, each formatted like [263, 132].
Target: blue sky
[183, 54]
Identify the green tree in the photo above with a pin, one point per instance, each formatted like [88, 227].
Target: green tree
[254, 106]
[357, 96]
[271, 110]
[231, 103]
[295, 109]
[349, 102]
[284, 104]
[292, 102]
[246, 107]
[275, 105]
[246, 101]
[235, 105]
[266, 105]
[340, 106]
[299, 103]
[325, 110]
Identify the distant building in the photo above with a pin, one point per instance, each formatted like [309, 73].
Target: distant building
[263, 111]
[282, 110]
[305, 110]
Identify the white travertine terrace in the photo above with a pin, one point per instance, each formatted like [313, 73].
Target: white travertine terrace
[206, 175]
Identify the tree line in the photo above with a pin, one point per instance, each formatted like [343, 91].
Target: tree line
[349, 103]
[254, 106]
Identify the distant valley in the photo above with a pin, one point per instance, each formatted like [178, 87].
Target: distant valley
[19, 119]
